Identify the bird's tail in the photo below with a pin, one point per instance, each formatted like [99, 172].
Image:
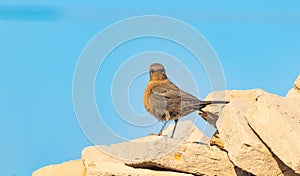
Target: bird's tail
[203, 104]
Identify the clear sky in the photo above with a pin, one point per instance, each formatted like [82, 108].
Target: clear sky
[257, 43]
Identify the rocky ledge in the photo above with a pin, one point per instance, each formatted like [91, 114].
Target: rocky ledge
[258, 134]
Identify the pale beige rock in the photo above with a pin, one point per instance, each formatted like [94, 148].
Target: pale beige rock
[187, 132]
[185, 157]
[195, 159]
[71, 168]
[152, 147]
[297, 84]
[155, 151]
[260, 110]
[294, 93]
[99, 168]
[277, 122]
[244, 148]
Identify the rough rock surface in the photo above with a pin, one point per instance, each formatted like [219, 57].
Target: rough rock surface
[262, 128]
[99, 168]
[278, 126]
[241, 117]
[71, 168]
[195, 159]
[294, 93]
[164, 153]
[297, 84]
[152, 147]
[99, 163]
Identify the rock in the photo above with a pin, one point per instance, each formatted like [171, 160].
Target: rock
[151, 155]
[98, 162]
[163, 153]
[195, 159]
[186, 131]
[97, 168]
[294, 93]
[276, 120]
[253, 127]
[297, 84]
[244, 148]
[71, 168]
[151, 147]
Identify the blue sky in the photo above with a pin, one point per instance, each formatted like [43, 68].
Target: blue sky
[257, 44]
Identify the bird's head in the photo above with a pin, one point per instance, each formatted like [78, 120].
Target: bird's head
[157, 72]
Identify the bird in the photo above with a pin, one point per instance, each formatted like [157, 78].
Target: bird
[165, 101]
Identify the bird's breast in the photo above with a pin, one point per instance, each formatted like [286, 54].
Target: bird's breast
[147, 93]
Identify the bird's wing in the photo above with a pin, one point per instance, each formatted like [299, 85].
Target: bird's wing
[170, 97]
[188, 97]
[169, 91]
[171, 94]
[164, 97]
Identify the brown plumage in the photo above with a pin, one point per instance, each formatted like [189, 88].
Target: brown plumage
[165, 101]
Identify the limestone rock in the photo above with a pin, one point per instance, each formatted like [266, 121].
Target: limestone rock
[244, 148]
[99, 168]
[98, 162]
[297, 84]
[162, 152]
[294, 93]
[276, 120]
[256, 127]
[71, 168]
[195, 159]
[152, 147]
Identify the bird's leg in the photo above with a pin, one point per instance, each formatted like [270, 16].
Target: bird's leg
[167, 119]
[162, 128]
[176, 121]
